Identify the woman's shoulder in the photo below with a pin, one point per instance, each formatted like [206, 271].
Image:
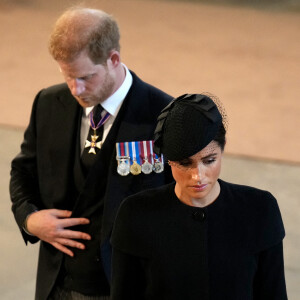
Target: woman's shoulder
[258, 209]
[250, 201]
[245, 193]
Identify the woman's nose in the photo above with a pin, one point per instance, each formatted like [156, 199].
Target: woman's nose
[198, 172]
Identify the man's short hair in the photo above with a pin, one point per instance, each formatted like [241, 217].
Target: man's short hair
[84, 29]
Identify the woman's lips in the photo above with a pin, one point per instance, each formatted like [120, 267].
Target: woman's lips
[199, 187]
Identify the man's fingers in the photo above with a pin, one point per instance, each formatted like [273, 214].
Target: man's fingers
[62, 248]
[70, 234]
[69, 222]
[70, 243]
[61, 213]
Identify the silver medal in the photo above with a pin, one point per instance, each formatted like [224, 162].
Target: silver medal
[147, 167]
[123, 167]
[158, 166]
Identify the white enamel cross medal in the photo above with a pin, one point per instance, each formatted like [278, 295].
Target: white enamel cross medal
[93, 144]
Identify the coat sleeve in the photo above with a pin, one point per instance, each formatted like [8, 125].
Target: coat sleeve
[131, 245]
[128, 276]
[24, 187]
[269, 282]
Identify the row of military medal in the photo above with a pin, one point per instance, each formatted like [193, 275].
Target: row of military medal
[137, 158]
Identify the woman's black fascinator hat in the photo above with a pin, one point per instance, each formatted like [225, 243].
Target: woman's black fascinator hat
[187, 125]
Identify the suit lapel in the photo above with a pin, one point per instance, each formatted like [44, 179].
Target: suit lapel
[62, 132]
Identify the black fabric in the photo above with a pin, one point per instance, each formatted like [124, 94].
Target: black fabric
[186, 126]
[229, 250]
[60, 293]
[84, 272]
[42, 173]
[88, 159]
[97, 110]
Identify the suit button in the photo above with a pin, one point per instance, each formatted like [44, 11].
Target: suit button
[97, 258]
[199, 215]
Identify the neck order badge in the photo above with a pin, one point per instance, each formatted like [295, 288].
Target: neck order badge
[93, 144]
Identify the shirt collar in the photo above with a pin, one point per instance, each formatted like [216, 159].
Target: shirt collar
[113, 103]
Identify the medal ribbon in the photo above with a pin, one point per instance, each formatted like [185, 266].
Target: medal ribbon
[100, 123]
[121, 150]
[141, 153]
[150, 151]
[134, 152]
[155, 156]
[146, 151]
[159, 158]
[118, 150]
[138, 155]
[126, 149]
[145, 154]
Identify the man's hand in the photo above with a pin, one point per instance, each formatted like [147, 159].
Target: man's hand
[49, 226]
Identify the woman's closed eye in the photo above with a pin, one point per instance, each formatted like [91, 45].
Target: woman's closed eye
[185, 163]
[209, 161]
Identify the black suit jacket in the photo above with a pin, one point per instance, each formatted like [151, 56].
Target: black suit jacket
[42, 173]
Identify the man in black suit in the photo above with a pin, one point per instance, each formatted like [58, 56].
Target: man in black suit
[79, 159]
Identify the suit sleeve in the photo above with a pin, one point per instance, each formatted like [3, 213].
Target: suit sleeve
[24, 187]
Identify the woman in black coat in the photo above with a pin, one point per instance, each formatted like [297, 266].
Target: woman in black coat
[199, 237]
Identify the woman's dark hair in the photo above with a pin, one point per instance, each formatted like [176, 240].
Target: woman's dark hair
[220, 137]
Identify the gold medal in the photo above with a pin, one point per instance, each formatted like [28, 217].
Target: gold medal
[135, 168]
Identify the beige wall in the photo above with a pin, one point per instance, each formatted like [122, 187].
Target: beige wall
[249, 58]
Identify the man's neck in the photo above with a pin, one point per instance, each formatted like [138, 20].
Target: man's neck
[120, 76]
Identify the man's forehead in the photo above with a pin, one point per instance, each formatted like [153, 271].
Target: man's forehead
[75, 70]
[82, 60]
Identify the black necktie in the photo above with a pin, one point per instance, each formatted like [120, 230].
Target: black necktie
[88, 157]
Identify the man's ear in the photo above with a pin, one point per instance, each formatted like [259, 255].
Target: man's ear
[114, 58]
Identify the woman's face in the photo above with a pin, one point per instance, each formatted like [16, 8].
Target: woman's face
[196, 177]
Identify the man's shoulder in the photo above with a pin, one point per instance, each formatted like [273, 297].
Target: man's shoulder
[58, 93]
[150, 91]
[56, 89]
